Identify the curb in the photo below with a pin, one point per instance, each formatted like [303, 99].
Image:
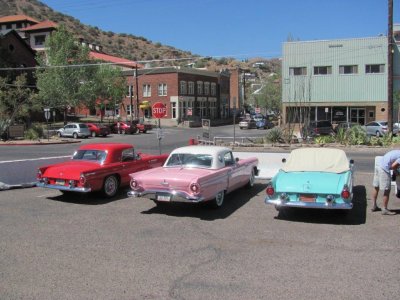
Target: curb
[38, 143]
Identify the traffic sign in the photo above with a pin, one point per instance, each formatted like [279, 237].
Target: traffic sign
[159, 110]
[47, 113]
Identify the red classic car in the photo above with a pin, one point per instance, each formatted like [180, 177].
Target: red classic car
[195, 174]
[97, 167]
[98, 129]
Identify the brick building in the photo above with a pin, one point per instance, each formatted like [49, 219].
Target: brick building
[188, 94]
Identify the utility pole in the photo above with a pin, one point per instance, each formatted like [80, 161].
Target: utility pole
[137, 91]
[131, 98]
[390, 65]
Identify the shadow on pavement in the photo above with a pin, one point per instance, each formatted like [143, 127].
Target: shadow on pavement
[203, 211]
[95, 198]
[356, 216]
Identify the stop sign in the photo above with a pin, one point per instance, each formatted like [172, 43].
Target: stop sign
[159, 110]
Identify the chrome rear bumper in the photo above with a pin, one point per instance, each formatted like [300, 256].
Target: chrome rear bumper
[321, 205]
[175, 196]
[63, 188]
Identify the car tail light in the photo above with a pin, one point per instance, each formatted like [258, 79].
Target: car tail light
[195, 188]
[345, 192]
[82, 179]
[270, 190]
[39, 174]
[134, 184]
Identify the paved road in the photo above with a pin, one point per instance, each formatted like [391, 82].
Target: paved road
[53, 247]
[14, 159]
[21, 162]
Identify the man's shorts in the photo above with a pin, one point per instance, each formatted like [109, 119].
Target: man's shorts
[382, 179]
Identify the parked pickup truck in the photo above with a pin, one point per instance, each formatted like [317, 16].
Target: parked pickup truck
[195, 174]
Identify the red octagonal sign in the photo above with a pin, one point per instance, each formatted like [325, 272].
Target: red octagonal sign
[159, 110]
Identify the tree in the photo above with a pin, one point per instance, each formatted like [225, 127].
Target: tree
[109, 86]
[16, 100]
[65, 81]
[270, 96]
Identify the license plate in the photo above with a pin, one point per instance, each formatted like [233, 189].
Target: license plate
[60, 182]
[307, 198]
[163, 198]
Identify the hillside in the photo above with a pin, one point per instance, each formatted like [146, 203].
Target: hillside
[129, 46]
[124, 45]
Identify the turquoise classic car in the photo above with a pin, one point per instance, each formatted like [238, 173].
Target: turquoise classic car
[313, 178]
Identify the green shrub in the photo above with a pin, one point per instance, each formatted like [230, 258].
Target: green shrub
[34, 133]
[357, 136]
[387, 139]
[324, 139]
[275, 135]
[375, 141]
[342, 136]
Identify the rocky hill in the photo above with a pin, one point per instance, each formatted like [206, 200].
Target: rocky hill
[129, 46]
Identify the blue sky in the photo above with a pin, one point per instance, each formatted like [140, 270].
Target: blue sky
[233, 28]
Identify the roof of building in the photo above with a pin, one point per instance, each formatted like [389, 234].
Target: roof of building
[113, 59]
[166, 70]
[16, 18]
[18, 37]
[42, 25]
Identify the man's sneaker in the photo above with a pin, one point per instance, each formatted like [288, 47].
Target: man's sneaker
[385, 211]
[375, 208]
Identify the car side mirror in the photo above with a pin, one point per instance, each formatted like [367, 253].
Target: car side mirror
[352, 161]
[283, 160]
[237, 159]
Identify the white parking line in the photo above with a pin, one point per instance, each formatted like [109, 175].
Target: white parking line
[33, 159]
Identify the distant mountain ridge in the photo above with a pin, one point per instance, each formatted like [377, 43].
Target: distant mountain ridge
[124, 45]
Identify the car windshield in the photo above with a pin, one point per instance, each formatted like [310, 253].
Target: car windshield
[189, 160]
[93, 155]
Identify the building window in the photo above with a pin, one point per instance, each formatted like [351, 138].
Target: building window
[348, 69]
[199, 87]
[146, 90]
[213, 89]
[162, 89]
[129, 91]
[183, 88]
[8, 26]
[173, 110]
[206, 88]
[129, 109]
[323, 70]
[369, 69]
[191, 88]
[39, 40]
[298, 71]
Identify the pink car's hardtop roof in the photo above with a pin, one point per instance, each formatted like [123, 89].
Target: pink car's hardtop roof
[105, 146]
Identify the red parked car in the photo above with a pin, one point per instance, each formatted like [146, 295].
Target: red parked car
[143, 128]
[97, 167]
[98, 129]
[124, 127]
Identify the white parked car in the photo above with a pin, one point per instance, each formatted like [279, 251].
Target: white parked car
[74, 130]
[379, 128]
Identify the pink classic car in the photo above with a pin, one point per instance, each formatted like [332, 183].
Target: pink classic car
[195, 174]
[97, 167]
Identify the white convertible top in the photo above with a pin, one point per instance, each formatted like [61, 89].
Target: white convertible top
[317, 159]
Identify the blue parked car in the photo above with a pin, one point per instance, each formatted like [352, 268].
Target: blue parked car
[313, 178]
[264, 124]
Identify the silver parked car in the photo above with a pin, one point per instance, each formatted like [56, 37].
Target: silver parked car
[74, 130]
[379, 128]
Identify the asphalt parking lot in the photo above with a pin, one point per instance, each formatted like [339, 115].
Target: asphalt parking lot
[57, 247]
